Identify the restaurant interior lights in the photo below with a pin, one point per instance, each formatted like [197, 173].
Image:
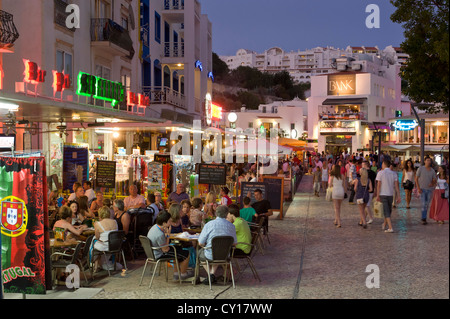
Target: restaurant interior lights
[8, 106]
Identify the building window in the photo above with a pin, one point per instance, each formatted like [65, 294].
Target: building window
[383, 111]
[377, 111]
[250, 125]
[64, 63]
[126, 82]
[292, 126]
[103, 72]
[157, 27]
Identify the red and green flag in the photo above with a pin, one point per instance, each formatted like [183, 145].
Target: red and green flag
[24, 241]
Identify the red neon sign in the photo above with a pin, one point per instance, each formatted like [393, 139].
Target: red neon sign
[139, 99]
[61, 81]
[33, 74]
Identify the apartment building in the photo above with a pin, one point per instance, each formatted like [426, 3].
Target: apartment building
[177, 58]
[302, 65]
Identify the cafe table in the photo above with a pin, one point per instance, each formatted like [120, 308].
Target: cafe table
[186, 237]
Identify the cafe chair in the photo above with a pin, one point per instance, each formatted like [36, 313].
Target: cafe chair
[115, 240]
[257, 228]
[221, 255]
[63, 260]
[248, 257]
[148, 249]
[142, 222]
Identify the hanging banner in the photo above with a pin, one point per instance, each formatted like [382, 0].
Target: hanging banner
[155, 176]
[24, 240]
[75, 164]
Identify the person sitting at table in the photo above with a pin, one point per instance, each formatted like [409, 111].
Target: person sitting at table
[159, 236]
[262, 208]
[97, 203]
[210, 204]
[179, 195]
[77, 217]
[248, 212]
[217, 227]
[225, 199]
[107, 203]
[65, 223]
[134, 200]
[88, 191]
[243, 233]
[122, 218]
[83, 207]
[73, 195]
[102, 229]
[175, 220]
[185, 212]
[197, 215]
[151, 205]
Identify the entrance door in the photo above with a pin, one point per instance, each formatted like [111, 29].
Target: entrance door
[336, 144]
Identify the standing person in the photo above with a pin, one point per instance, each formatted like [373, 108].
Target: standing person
[408, 179]
[325, 176]
[386, 188]
[439, 205]
[372, 176]
[351, 180]
[425, 182]
[363, 187]
[317, 180]
[338, 182]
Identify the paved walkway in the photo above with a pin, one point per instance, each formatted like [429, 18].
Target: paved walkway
[310, 258]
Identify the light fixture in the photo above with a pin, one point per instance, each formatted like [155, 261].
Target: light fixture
[116, 135]
[232, 117]
[9, 107]
[103, 132]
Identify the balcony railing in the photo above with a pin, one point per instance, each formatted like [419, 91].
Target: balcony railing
[164, 95]
[108, 30]
[8, 31]
[61, 14]
[173, 4]
[173, 50]
[342, 116]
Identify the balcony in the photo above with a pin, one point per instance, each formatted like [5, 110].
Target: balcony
[174, 11]
[164, 95]
[173, 50]
[61, 14]
[8, 32]
[106, 31]
[357, 116]
[173, 4]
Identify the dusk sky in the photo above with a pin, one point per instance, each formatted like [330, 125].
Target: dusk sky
[298, 24]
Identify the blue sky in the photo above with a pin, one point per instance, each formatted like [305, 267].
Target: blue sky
[298, 24]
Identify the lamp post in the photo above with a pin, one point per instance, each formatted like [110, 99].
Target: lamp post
[422, 133]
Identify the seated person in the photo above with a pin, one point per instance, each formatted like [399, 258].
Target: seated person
[122, 218]
[225, 199]
[217, 227]
[83, 207]
[159, 202]
[243, 233]
[97, 203]
[175, 218]
[73, 196]
[248, 213]
[159, 236]
[65, 222]
[102, 229]
[134, 200]
[210, 205]
[179, 195]
[77, 217]
[185, 212]
[197, 215]
[151, 202]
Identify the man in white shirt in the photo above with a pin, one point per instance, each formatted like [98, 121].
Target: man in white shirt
[387, 186]
[88, 191]
[134, 200]
[73, 196]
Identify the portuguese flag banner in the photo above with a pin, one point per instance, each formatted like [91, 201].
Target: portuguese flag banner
[24, 241]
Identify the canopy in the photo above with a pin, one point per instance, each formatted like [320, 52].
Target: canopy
[291, 142]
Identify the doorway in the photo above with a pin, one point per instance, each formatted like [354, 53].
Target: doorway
[336, 144]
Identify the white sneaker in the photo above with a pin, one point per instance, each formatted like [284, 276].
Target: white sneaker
[370, 221]
[389, 231]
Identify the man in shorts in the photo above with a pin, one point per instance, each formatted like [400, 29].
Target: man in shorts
[387, 186]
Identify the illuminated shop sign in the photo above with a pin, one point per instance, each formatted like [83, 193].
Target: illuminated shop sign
[216, 112]
[341, 84]
[137, 99]
[33, 74]
[404, 125]
[199, 65]
[61, 81]
[98, 88]
[211, 76]
[337, 126]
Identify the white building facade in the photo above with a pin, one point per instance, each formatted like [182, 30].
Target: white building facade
[346, 108]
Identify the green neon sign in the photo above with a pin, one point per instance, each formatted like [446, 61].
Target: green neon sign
[101, 89]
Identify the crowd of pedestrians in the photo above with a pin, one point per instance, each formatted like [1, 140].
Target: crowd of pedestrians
[365, 180]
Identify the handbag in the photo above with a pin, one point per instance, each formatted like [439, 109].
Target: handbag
[329, 195]
[378, 211]
[444, 195]
[360, 201]
[408, 184]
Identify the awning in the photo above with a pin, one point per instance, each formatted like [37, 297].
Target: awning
[346, 101]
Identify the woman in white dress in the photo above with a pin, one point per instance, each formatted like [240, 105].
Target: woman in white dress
[338, 182]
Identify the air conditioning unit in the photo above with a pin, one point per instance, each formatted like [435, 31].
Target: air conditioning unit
[341, 67]
[356, 66]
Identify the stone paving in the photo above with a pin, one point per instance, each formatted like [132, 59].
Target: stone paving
[310, 258]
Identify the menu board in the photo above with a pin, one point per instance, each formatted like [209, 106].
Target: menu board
[276, 194]
[247, 187]
[215, 174]
[106, 174]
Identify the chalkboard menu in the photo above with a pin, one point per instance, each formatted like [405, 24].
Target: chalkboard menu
[106, 174]
[215, 174]
[247, 187]
[276, 194]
